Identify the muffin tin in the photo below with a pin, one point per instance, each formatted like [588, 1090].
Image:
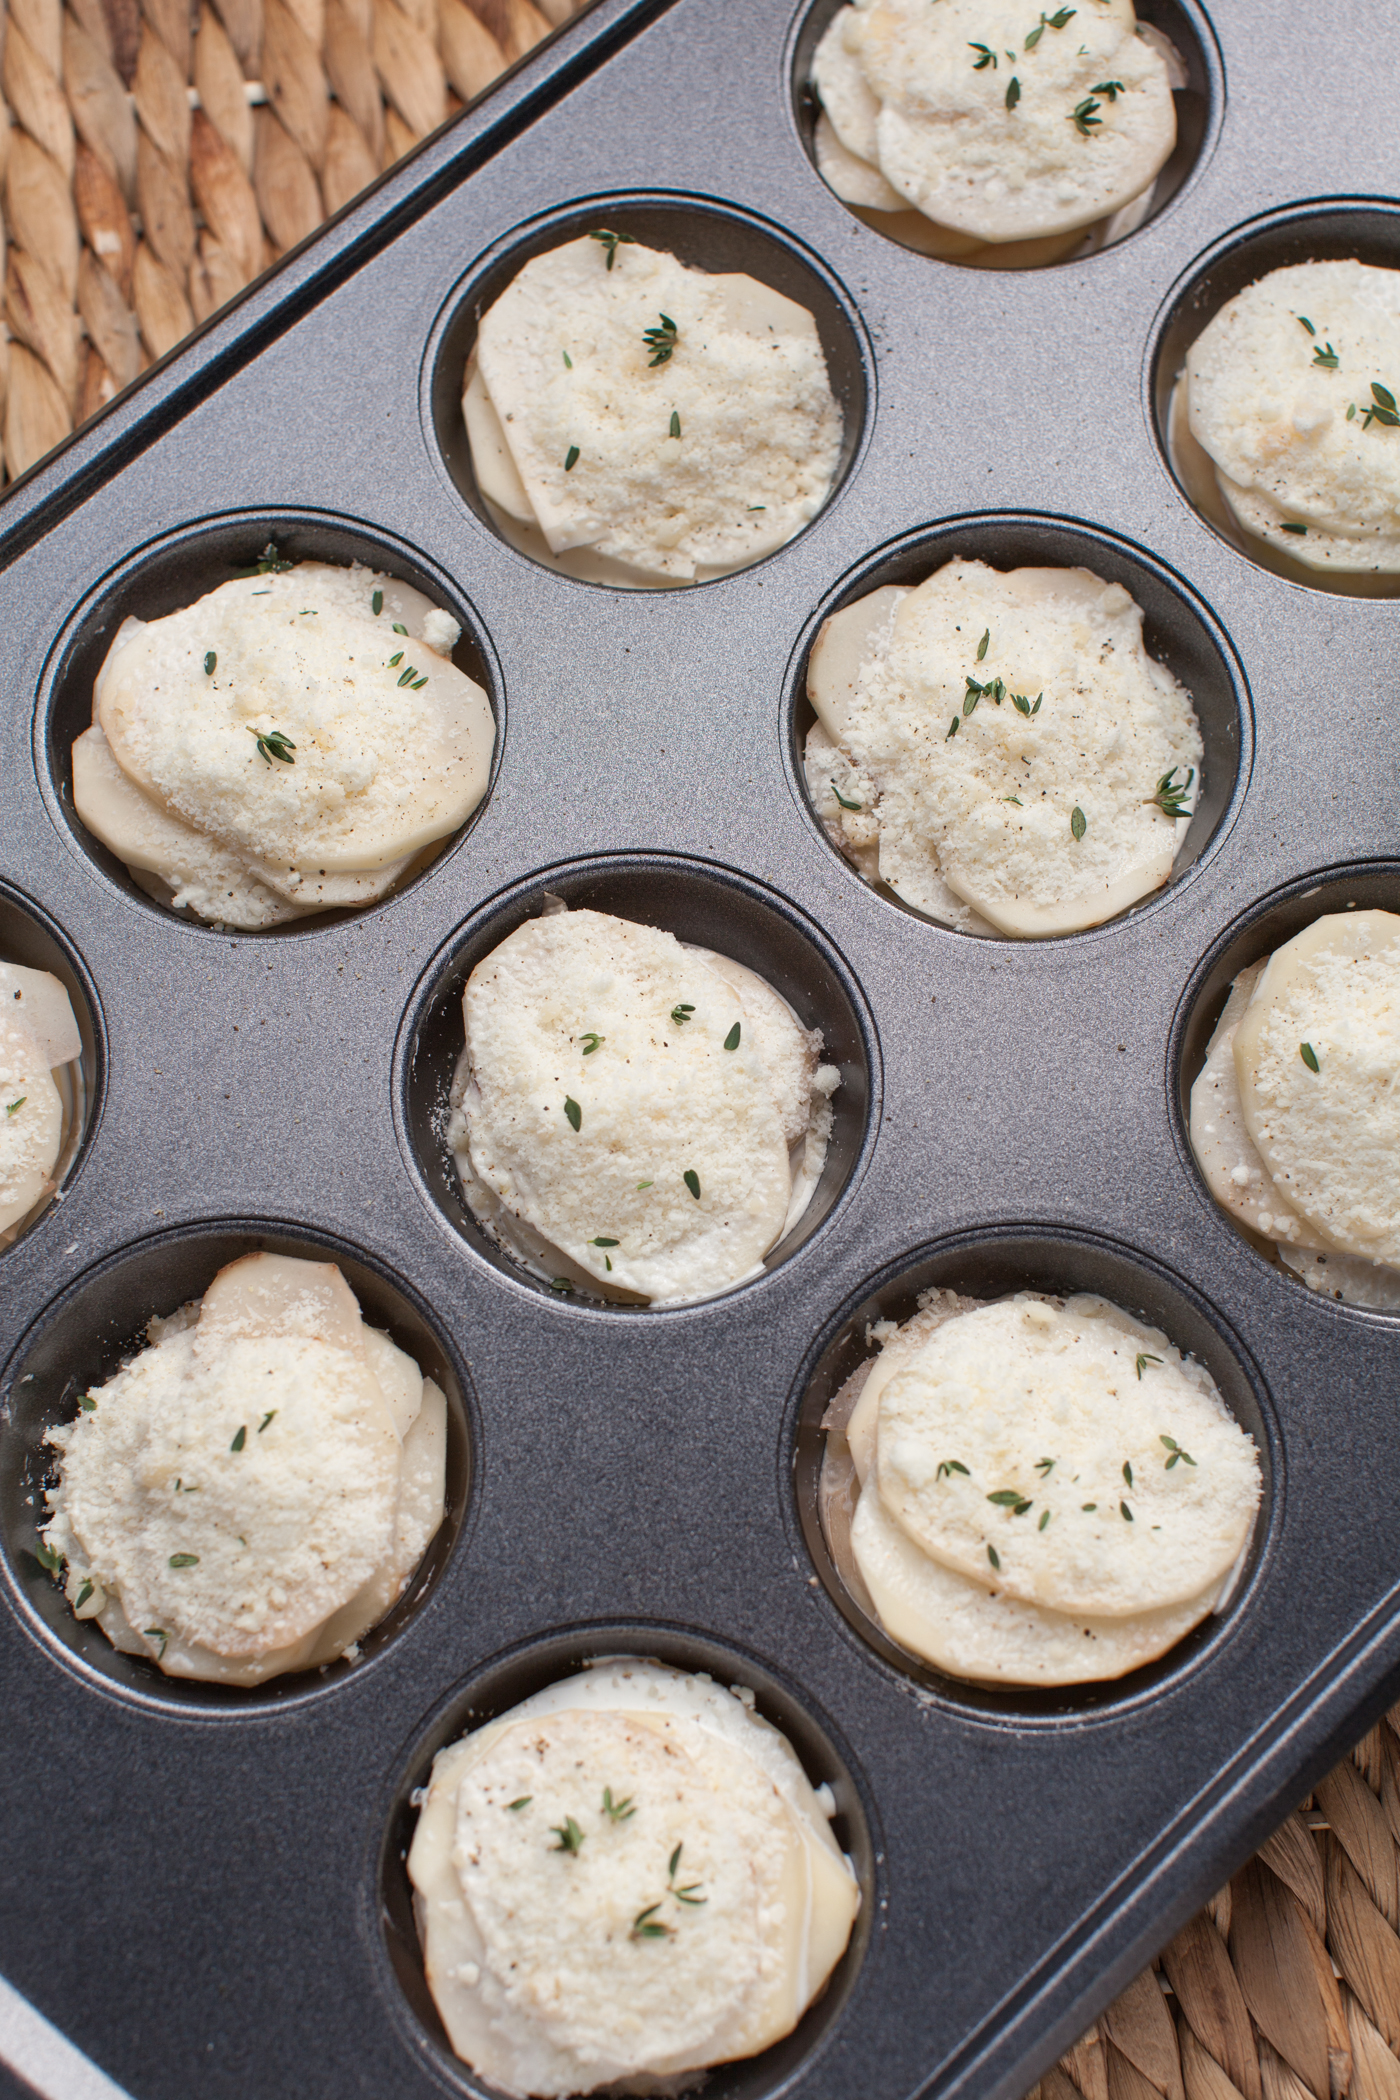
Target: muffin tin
[206, 1889]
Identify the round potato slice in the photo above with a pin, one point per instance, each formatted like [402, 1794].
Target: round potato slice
[31, 1114]
[1070, 1454]
[1224, 1149]
[985, 1634]
[1316, 1055]
[308, 745]
[1283, 387]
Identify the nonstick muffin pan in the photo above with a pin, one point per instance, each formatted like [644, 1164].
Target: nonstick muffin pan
[205, 1890]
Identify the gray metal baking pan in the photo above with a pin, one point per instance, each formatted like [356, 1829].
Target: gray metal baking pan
[206, 1891]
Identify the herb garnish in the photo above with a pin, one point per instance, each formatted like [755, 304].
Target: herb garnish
[395, 661]
[591, 1040]
[988, 58]
[1309, 1057]
[953, 728]
[1023, 706]
[661, 342]
[157, 1633]
[1078, 822]
[271, 563]
[612, 242]
[952, 1465]
[571, 459]
[376, 603]
[1055, 21]
[210, 661]
[687, 1894]
[12, 1108]
[1293, 528]
[240, 1437]
[1013, 92]
[561, 1286]
[569, 1835]
[619, 1811]
[646, 1185]
[1088, 1505]
[1304, 322]
[994, 1557]
[1045, 1519]
[1176, 1452]
[675, 423]
[521, 1801]
[1012, 1499]
[184, 1560]
[1125, 1512]
[1127, 1472]
[1085, 118]
[645, 1925]
[1327, 358]
[1112, 88]
[275, 744]
[84, 1593]
[842, 799]
[731, 1041]
[266, 1419]
[1014, 798]
[86, 1403]
[984, 644]
[604, 1243]
[692, 1182]
[1169, 797]
[399, 627]
[681, 1014]
[573, 1111]
[1381, 408]
[48, 1557]
[1044, 1466]
[1143, 1361]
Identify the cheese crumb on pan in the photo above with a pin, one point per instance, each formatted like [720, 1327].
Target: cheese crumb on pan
[627, 1877]
[296, 740]
[637, 421]
[970, 132]
[1288, 402]
[632, 1117]
[1294, 1121]
[40, 1092]
[250, 1493]
[1036, 1491]
[1000, 749]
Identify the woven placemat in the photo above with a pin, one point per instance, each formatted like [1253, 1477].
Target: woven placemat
[158, 154]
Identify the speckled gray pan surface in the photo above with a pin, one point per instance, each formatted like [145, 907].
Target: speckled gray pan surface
[206, 1891]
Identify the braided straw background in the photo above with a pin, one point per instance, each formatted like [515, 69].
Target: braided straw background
[155, 155]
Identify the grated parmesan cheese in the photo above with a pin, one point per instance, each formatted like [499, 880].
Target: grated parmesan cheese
[38, 1037]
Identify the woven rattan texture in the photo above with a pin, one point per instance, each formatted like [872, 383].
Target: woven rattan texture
[1287, 1985]
[156, 155]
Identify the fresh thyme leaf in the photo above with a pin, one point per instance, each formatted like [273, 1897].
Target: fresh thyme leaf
[1045, 1519]
[157, 1633]
[692, 1182]
[688, 1895]
[954, 728]
[1127, 1514]
[994, 690]
[568, 362]
[994, 1557]
[984, 644]
[408, 674]
[266, 1419]
[1013, 92]
[1309, 1057]
[82, 1597]
[758, 506]
[399, 627]
[210, 663]
[591, 1041]
[974, 692]
[1010, 1498]
[1351, 412]
[988, 58]
[395, 661]
[183, 1560]
[12, 1108]
[646, 1185]
[731, 1041]
[1088, 1505]
[1078, 822]
[561, 1286]
[240, 1437]
[1381, 408]
[1143, 1361]
[1085, 118]
[612, 242]
[1044, 1466]
[1294, 528]
[521, 1801]
[276, 744]
[1127, 1472]
[571, 459]
[646, 1927]
[86, 1403]
[1304, 322]
[1327, 358]
[952, 1465]
[619, 1811]
[681, 1014]
[573, 1112]
[1014, 798]
[418, 684]
[48, 1557]
[569, 1835]
[1170, 797]
[1023, 705]
[376, 604]
[661, 342]
[675, 422]
[674, 1861]
[1176, 1453]
[842, 799]
[604, 1243]
[271, 563]
[1112, 88]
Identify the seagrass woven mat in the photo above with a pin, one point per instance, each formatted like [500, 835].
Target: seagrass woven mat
[158, 154]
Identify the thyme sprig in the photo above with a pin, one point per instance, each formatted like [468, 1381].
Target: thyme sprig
[661, 342]
[1380, 409]
[1327, 357]
[1085, 117]
[612, 242]
[1176, 1453]
[845, 804]
[569, 1835]
[590, 1040]
[617, 1811]
[1055, 21]
[951, 1466]
[12, 1108]
[1111, 88]
[1170, 797]
[1023, 706]
[681, 1014]
[275, 743]
[988, 58]
[1012, 1499]
[647, 1926]
[1143, 1361]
